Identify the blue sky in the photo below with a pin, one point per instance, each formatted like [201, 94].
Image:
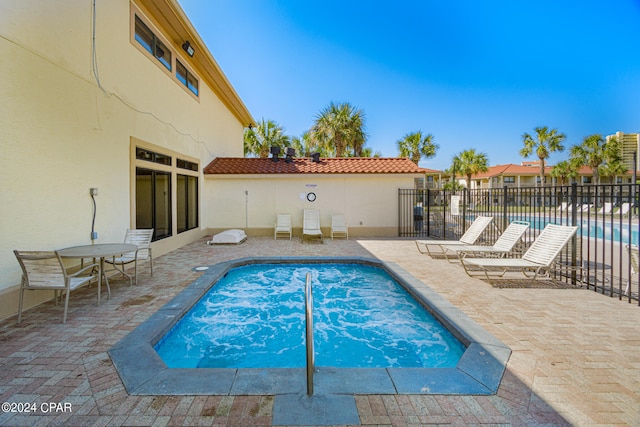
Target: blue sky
[474, 74]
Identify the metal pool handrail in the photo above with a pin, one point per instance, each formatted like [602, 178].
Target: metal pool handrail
[308, 305]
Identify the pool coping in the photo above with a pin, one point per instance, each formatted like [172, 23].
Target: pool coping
[143, 372]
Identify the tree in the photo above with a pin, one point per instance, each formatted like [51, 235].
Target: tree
[469, 163]
[614, 164]
[546, 142]
[267, 134]
[563, 170]
[341, 126]
[415, 145]
[599, 155]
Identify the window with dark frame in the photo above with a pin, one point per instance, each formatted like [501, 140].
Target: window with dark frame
[186, 78]
[150, 42]
[187, 203]
[153, 201]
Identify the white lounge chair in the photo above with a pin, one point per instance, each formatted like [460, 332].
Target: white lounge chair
[142, 239]
[45, 270]
[538, 258]
[283, 225]
[634, 260]
[606, 208]
[470, 237]
[505, 244]
[624, 209]
[339, 227]
[311, 224]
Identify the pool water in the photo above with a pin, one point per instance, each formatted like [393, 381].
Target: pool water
[254, 318]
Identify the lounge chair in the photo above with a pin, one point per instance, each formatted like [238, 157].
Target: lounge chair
[283, 225]
[606, 208]
[311, 224]
[45, 270]
[505, 244]
[470, 237]
[624, 209]
[538, 258]
[634, 260]
[142, 239]
[339, 226]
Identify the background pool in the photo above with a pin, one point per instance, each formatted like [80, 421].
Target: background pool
[254, 317]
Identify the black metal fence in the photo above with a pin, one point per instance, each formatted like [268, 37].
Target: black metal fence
[598, 258]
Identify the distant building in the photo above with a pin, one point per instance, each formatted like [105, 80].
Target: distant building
[630, 146]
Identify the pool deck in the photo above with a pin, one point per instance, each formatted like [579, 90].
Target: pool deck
[575, 354]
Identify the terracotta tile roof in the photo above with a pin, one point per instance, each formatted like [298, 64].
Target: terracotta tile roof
[341, 165]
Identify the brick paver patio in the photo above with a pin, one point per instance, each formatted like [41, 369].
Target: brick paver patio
[575, 360]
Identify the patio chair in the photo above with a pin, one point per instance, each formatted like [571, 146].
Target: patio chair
[505, 244]
[339, 226]
[311, 224]
[538, 258]
[283, 225]
[142, 239]
[470, 237]
[634, 260]
[45, 270]
[606, 208]
[624, 209]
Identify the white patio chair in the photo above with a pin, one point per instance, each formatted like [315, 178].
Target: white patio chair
[470, 237]
[311, 224]
[505, 244]
[142, 239]
[624, 209]
[538, 258]
[339, 227]
[606, 208]
[283, 225]
[45, 270]
[634, 260]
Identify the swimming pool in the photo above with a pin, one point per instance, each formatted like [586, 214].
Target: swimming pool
[609, 230]
[254, 318]
[142, 371]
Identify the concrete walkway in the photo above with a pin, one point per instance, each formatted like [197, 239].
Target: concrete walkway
[575, 360]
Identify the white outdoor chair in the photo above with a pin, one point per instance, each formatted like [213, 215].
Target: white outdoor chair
[283, 225]
[634, 260]
[311, 224]
[142, 239]
[45, 270]
[538, 258]
[505, 244]
[470, 237]
[624, 209]
[339, 226]
[606, 208]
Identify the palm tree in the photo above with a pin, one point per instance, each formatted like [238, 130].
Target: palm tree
[469, 163]
[267, 134]
[342, 126]
[599, 155]
[614, 164]
[563, 170]
[415, 145]
[546, 142]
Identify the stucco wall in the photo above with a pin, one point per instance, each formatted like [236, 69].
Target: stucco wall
[62, 133]
[251, 202]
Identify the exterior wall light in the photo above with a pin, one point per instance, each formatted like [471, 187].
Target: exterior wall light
[188, 48]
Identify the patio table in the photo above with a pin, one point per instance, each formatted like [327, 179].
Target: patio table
[101, 251]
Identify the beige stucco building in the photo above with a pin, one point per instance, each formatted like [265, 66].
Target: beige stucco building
[110, 96]
[102, 95]
[253, 191]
